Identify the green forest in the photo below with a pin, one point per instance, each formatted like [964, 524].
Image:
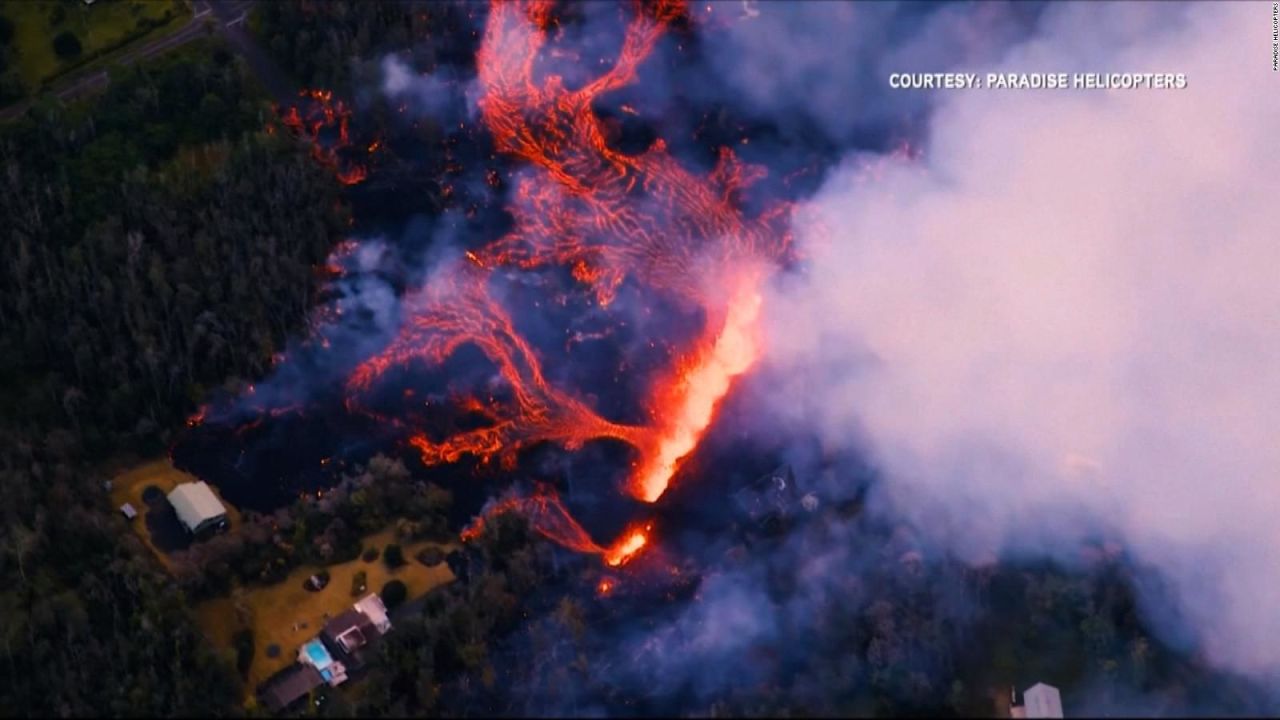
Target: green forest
[158, 244]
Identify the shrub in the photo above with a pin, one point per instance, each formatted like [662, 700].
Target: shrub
[243, 642]
[370, 555]
[67, 45]
[394, 593]
[393, 556]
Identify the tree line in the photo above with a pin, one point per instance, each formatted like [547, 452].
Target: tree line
[156, 243]
[339, 44]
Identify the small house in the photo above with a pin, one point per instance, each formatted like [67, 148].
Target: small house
[328, 657]
[1039, 701]
[198, 508]
[355, 629]
[128, 511]
[289, 686]
[1042, 701]
[769, 500]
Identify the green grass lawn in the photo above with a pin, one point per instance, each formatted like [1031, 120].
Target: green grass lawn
[100, 27]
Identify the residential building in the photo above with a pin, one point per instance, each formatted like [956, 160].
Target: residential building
[350, 634]
[339, 649]
[1039, 701]
[1042, 701]
[769, 500]
[198, 508]
[289, 686]
[354, 630]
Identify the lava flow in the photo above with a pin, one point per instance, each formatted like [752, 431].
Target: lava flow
[693, 395]
[606, 217]
[323, 113]
[549, 517]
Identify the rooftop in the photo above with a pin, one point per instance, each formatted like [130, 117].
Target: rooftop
[372, 607]
[1042, 701]
[769, 496]
[289, 686]
[196, 504]
[350, 631]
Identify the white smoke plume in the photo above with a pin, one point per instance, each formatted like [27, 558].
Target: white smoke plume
[825, 63]
[1070, 307]
[443, 95]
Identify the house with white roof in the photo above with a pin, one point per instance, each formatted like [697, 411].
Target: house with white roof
[1039, 701]
[198, 508]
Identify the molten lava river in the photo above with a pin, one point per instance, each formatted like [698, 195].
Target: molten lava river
[604, 217]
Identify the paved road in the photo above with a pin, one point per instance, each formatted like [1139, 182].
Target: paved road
[231, 16]
[227, 16]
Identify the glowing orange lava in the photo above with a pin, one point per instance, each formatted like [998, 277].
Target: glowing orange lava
[548, 516]
[322, 112]
[698, 390]
[631, 542]
[604, 216]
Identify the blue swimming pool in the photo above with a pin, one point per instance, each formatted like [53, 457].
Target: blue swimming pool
[318, 654]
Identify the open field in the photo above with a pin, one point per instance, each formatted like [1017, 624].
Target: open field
[128, 486]
[106, 25]
[285, 613]
[272, 611]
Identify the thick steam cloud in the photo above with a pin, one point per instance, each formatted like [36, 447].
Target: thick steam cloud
[1070, 309]
[818, 66]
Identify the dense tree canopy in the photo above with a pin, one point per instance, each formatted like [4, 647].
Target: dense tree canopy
[89, 625]
[172, 250]
[318, 41]
[10, 84]
[151, 252]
